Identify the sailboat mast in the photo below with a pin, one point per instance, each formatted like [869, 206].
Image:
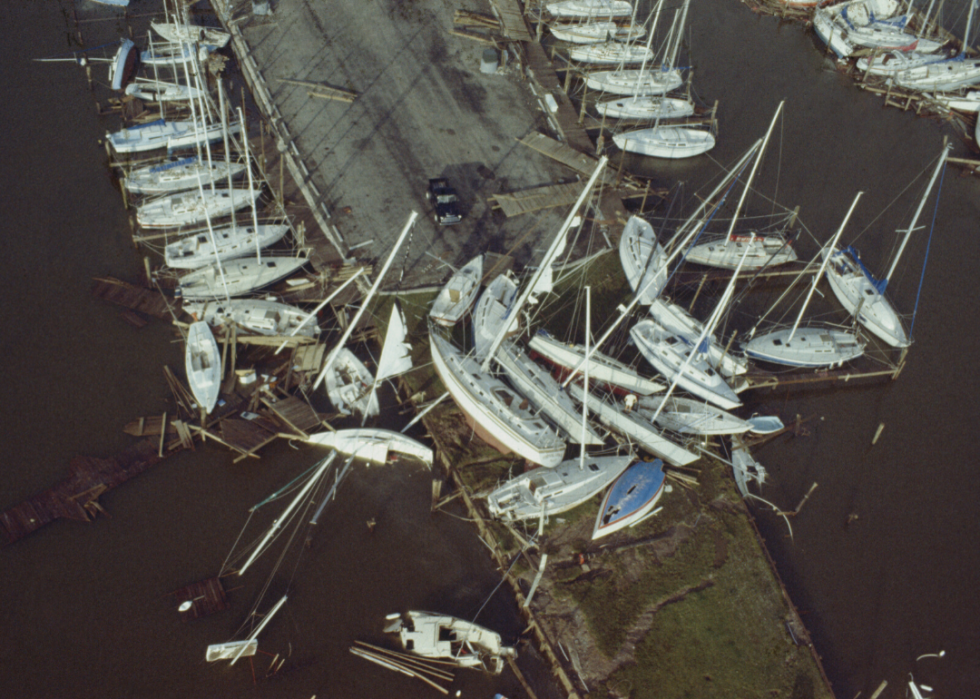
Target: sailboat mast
[823, 266]
[258, 630]
[367, 299]
[585, 389]
[755, 166]
[643, 65]
[680, 35]
[224, 137]
[915, 219]
[545, 262]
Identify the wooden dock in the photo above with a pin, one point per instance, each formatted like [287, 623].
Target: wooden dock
[76, 497]
[132, 297]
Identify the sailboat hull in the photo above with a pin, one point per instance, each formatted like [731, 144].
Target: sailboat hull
[859, 296]
[671, 142]
[631, 498]
[812, 347]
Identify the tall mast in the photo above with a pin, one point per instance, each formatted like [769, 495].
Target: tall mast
[680, 35]
[545, 263]
[755, 166]
[883, 284]
[585, 389]
[823, 266]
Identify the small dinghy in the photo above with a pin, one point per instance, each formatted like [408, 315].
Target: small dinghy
[371, 444]
[631, 498]
[237, 277]
[190, 208]
[349, 385]
[221, 243]
[745, 467]
[543, 492]
[255, 315]
[175, 175]
[455, 299]
[203, 363]
[765, 424]
[447, 638]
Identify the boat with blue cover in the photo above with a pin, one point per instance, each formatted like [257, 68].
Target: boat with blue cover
[631, 498]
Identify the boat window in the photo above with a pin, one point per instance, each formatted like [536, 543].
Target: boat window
[270, 265]
[777, 342]
[504, 397]
[630, 491]
[594, 468]
[869, 292]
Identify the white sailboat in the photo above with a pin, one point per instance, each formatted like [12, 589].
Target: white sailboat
[455, 299]
[237, 277]
[165, 134]
[460, 642]
[631, 498]
[848, 26]
[689, 416]
[671, 142]
[123, 64]
[635, 427]
[646, 107]
[590, 8]
[191, 34]
[594, 31]
[371, 444]
[679, 322]
[161, 91]
[813, 346]
[750, 251]
[188, 208]
[493, 310]
[168, 54]
[349, 385]
[175, 175]
[496, 413]
[601, 367]
[221, 243]
[539, 387]
[675, 358]
[545, 492]
[202, 360]
[861, 294]
[643, 259]
[259, 316]
[888, 63]
[610, 53]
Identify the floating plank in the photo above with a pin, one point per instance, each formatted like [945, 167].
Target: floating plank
[200, 599]
[132, 297]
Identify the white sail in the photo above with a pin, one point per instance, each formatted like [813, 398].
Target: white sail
[396, 355]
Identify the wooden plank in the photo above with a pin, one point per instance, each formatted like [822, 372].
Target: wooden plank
[545, 197]
[511, 18]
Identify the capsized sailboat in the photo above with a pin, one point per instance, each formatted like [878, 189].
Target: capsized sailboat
[545, 492]
[202, 361]
[371, 444]
[445, 637]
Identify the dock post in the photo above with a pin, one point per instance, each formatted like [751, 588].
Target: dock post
[436, 493]
[698, 292]
[163, 433]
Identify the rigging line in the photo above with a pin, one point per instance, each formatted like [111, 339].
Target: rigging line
[922, 276]
[228, 558]
[516, 558]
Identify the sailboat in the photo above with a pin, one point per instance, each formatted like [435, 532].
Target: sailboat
[631, 498]
[237, 277]
[165, 134]
[259, 316]
[861, 294]
[610, 53]
[371, 444]
[187, 208]
[602, 368]
[161, 91]
[221, 243]
[689, 416]
[538, 386]
[590, 8]
[848, 26]
[750, 250]
[949, 74]
[349, 385]
[123, 64]
[594, 31]
[202, 361]
[545, 492]
[643, 259]
[497, 414]
[176, 175]
[459, 293]
[492, 311]
[191, 34]
[678, 322]
[167, 54]
[814, 346]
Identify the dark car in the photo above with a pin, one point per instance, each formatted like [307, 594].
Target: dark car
[444, 198]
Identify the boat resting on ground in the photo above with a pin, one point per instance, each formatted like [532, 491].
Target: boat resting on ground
[459, 293]
[349, 385]
[631, 498]
[445, 637]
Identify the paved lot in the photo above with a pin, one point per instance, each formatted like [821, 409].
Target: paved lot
[424, 110]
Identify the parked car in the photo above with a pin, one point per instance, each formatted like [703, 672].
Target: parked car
[446, 203]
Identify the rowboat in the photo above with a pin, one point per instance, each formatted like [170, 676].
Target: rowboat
[631, 498]
[203, 363]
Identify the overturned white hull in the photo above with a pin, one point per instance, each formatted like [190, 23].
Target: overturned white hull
[643, 259]
[372, 444]
[447, 638]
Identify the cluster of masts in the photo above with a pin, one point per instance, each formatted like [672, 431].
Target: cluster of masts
[528, 411]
